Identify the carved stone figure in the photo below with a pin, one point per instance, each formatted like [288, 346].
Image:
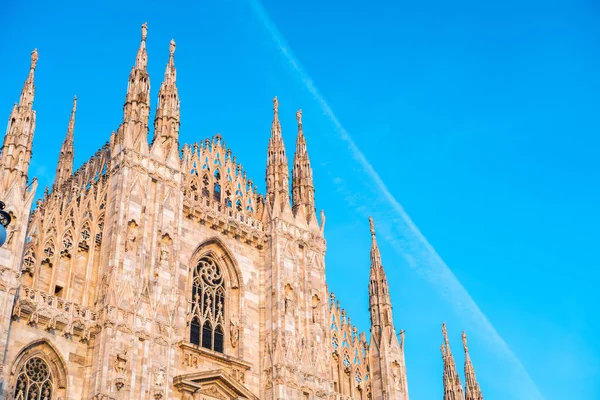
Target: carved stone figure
[316, 313]
[289, 299]
[132, 229]
[234, 332]
[159, 378]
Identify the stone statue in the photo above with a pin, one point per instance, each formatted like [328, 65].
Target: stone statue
[131, 235]
[159, 379]
[144, 30]
[234, 332]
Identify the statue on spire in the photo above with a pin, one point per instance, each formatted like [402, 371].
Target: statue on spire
[172, 47]
[299, 117]
[372, 226]
[34, 58]
[275, 105]
[144, 31]
[445, 333]
[464, 340]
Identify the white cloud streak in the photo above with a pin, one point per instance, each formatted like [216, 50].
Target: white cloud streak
[421, 255]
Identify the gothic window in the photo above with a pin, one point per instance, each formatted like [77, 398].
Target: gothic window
[67, 244]
[48, 252]
[217, 186]
[208, 296]
[357, 377]
[100, 229]
[217, 192]
[228, 202]
[34, 381]
[334, 342]
[238, 205]
[29, 261]
[194, 185]
[346, 360]
[84, 243]
[205, 183]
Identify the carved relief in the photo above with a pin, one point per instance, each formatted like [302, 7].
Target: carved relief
[316, 309]
[121, 365]
[289, 299]
[165, 249]
[396, 375]
[234, 332]
[132, 232]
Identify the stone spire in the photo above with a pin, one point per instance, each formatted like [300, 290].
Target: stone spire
[166, 122]
[303, 190]
[387, 362]
[277, 166]
[133, 132]
[64, 168]
[452, 387]
[472, 390]
[379, 292]
[28, 91]
[18, 141]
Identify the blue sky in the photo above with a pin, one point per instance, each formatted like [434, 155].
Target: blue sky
[479, 118]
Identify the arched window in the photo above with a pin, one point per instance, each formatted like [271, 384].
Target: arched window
[34, 381]
[208, 298]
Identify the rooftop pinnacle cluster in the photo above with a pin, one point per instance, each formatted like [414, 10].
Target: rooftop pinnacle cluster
[159, 271]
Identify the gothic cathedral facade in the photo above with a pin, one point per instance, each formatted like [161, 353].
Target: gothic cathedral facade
[157, 271]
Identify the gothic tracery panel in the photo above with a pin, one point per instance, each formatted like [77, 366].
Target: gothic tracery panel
[35, 381]
[208, 305]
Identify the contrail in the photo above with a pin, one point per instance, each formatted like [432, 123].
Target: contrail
[431, 264]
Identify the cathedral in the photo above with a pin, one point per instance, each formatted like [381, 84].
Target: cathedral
[158, 271]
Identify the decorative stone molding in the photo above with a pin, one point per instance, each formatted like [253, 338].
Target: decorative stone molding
[55, 314]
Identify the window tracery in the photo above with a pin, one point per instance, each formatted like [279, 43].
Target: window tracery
[34, 381]
[29, 261]
[100, 229]
[208, 305]
[49, 252]
[84, 243]
[67, 244]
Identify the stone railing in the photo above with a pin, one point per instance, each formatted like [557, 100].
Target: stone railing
[212, 206]
[227, 220]
[54, 313]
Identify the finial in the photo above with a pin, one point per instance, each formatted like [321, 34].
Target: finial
[464, 340]
[299, 117]
[445, 333]
[172, 47]
[372, 226]
[34, 58]
[144, 31]
[275, 104]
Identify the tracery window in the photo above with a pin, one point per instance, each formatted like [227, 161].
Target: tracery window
[208, 305]
[35, 381]
[84, 243]
[100, 229]
[67, 244]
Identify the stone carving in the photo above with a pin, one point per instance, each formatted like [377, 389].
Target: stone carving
[164, 253]
[132, 230]
[396, 375]
[289, 299]
[120, 365]
[159, 382]
[234, 332]
[316, 305]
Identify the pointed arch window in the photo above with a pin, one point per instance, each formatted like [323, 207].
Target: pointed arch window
[208, 305]
[100, 229]
[34, 381]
